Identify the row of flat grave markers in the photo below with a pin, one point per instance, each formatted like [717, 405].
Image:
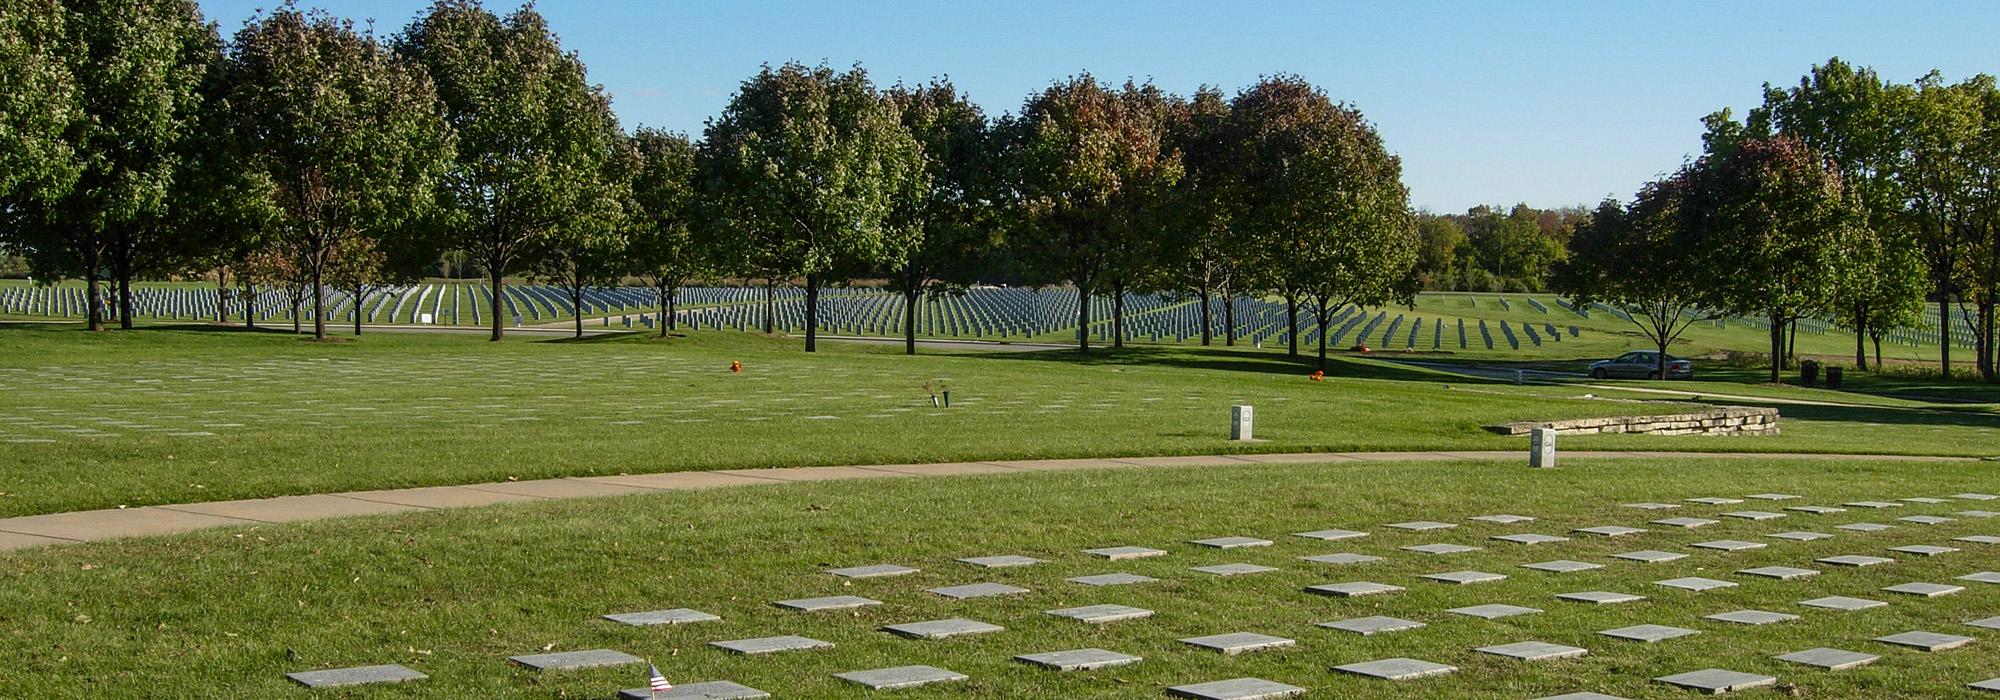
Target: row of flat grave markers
[1712, 680]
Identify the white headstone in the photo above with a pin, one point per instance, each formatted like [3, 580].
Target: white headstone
[1542, 448]
[1240, 419]
[424, 319]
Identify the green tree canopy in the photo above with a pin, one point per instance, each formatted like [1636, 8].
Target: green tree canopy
[952, 221]
[531, 133]
[808, 163]
[662, 245]
[343, 140]
[1323, 199]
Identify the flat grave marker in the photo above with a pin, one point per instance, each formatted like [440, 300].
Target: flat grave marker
[1609, 530]
[1232, 569]
[873, 571]
[1829, 659]
[900, 677]
[1600, 597]
[770, 645]
[1494, 611]
[1650, 556]
[1002, 561]
[1925, 641]
[1100, 614]
[1353, 589]
[1840, 602]
[1396, 669]
[676, 616]
[1534, 651]
[1231, 542]
[1376, 624]
[1854, 560]
[1530, 538]
[1341, 558]
[1923, 590]
[1077, 659]
[1331, 535]
[1864, 527]
[1751, 617]
[1799, 536]
[942, 629]
[1440, 548]
[1782, 573]
[1562, 566]
[1421, 525]
[1716, 681]
[1684, 522]
[1112, 579]
[1923, 550]
[1696, 584]
[710, 690]
[1648, 633]
[1465, 577]
[1729, 545]
[358, 675]
[838, 602]
[1116, 553]
[1235, 643]
[1237, 689]
[571, 660]
[977, 590]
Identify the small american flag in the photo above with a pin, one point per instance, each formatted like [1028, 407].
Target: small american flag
[658, 683]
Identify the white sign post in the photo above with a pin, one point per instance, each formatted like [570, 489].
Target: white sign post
[1542, 448]
[1240, 419]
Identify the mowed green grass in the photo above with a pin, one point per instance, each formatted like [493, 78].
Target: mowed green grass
[102, 420]
[453, 593]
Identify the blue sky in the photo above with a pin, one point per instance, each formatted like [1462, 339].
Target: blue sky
[1549, 103]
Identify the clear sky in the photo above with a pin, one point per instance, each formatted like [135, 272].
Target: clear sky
[1549, 103]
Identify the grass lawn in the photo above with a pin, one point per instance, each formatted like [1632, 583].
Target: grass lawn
[452, 593]
[176, 414]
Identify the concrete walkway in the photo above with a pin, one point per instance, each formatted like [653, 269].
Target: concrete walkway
[93, 525]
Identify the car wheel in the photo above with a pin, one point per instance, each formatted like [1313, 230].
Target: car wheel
[1598, 373]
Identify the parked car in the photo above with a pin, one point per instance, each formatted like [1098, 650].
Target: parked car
[1641, 364]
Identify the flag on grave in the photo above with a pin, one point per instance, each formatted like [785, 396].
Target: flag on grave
[657, 683]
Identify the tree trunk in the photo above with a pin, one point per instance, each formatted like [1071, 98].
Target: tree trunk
[1986, 359]
[1207, 321]
[812, 313]
[1292, 324]
[1322, 334]
[770, 306]
[1877, 337]
[493, 272]
[1228, 317]
[1944, 332]
[576, 304]
[909, 318]
[665, 314]
[221, 295]
[319, 304]
[1860, 340]
[360, 293]
[1792, 339]
[1118, 314]
[1661, 368]
[1777, 347]
[121, 266]
[1083, 316]
[249, 306]
[94, 294]
[673, 307]
[296, 302]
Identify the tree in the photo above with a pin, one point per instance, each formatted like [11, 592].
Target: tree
[1939, 125]
[1073, 150]
[1202, 252]
[592, 250]
[136, 68]
[1324, 201]
[662, 245]
[1437, 253]
[1849, 115]
[1638, 259]
[951, 217]
[1982, 262]
[810, 163]
[528, 126]
[38, 101]
[1142, 209]
[344, 141]
[1772, 222]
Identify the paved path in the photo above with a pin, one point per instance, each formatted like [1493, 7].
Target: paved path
[93, 525]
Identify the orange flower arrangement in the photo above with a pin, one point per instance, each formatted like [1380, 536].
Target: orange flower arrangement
[1317, 376]
[735, 367]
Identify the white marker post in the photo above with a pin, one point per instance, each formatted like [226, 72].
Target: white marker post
[1542, 448]
[1240, 418]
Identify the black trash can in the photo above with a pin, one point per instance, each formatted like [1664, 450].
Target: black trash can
[1833, 377]
[1809, 373]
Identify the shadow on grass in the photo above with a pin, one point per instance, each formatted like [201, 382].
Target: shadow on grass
[1234, 360]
